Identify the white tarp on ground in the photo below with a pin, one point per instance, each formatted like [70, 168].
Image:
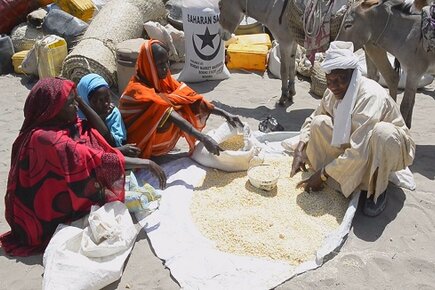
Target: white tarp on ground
[195, 262]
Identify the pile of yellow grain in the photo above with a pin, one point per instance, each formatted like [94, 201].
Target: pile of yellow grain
[234, 143]
[285, 224]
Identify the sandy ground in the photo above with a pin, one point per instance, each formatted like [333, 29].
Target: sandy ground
[395, 250]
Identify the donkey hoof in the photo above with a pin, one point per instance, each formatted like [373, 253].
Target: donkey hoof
[281, 102]
[283, 99]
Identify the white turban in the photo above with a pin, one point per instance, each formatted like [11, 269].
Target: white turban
[339, 56]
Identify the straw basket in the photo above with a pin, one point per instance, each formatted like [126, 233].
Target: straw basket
[117, 21]
[318, 80]
[295, 16]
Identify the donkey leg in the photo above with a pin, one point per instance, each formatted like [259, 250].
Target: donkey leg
[407, 105]
[292, 71]
[285, 59]
[372, 71]
[379, 57]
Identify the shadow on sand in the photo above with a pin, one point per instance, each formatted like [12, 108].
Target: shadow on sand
[371, 228]
[290, 121]
[424, 160]
[30, 260]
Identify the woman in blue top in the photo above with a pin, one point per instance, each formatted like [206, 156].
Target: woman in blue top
[94, 90]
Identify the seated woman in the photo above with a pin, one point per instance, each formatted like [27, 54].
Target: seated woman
[94, 91]
[60, 167]
[158, 110]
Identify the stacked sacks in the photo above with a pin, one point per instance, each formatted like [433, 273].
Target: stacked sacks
[117, 21]
[24, 36]
[65, 25]
[13, 12]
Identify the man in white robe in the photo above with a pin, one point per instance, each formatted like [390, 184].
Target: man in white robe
[356, 136]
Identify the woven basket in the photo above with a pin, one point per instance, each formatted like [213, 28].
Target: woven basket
[296, 26]
[117, 21]
[295, 22]
[318, 80]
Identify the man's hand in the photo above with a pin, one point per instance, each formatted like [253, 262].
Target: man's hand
[129, 150]
[314, 183]
[211, 145]
[298, 163]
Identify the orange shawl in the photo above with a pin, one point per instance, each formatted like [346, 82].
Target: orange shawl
[145, 109]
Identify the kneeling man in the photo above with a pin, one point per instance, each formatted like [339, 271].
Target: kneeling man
[356, 136]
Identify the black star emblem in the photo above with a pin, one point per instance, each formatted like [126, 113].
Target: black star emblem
[207, 38]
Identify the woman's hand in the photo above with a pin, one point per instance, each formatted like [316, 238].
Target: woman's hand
[211, 145]
[298, 163]
[108, 112]
[129, 150]
[314, 183]
[233, 120]
[133, 163]
[158, 172]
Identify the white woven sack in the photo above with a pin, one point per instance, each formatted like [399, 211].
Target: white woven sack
[177, 39]
[157, 31]
[227, 160]
[205, 50]
[74, 260]
[274, 60]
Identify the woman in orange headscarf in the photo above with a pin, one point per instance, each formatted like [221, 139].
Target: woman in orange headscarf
[158, 110]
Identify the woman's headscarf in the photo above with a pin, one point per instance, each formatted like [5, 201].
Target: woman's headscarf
[87, 85]
[147, 69]
[45, 101]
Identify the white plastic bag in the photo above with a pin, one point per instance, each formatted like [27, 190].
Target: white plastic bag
[205, 50]
[93, 257]
[230, 161]
[110, 231]
[157, 31]
[177, 39]
[30, 63]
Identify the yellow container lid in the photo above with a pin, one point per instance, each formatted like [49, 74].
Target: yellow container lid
[245, 48]
[256, 39]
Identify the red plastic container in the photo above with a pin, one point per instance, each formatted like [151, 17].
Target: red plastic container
[13, 12]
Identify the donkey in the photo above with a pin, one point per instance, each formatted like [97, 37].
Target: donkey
[391, 26]
[270, 13]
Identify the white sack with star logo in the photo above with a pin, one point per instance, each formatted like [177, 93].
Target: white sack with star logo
[205, 50]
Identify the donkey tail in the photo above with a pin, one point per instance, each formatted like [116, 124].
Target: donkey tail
[396, 65]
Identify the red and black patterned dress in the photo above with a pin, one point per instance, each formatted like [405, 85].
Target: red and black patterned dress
[57, 172]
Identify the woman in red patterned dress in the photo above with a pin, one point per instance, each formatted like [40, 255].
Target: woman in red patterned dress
[60, 167]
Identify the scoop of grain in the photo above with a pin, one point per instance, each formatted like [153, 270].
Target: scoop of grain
[234, 143]
[289, 226]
